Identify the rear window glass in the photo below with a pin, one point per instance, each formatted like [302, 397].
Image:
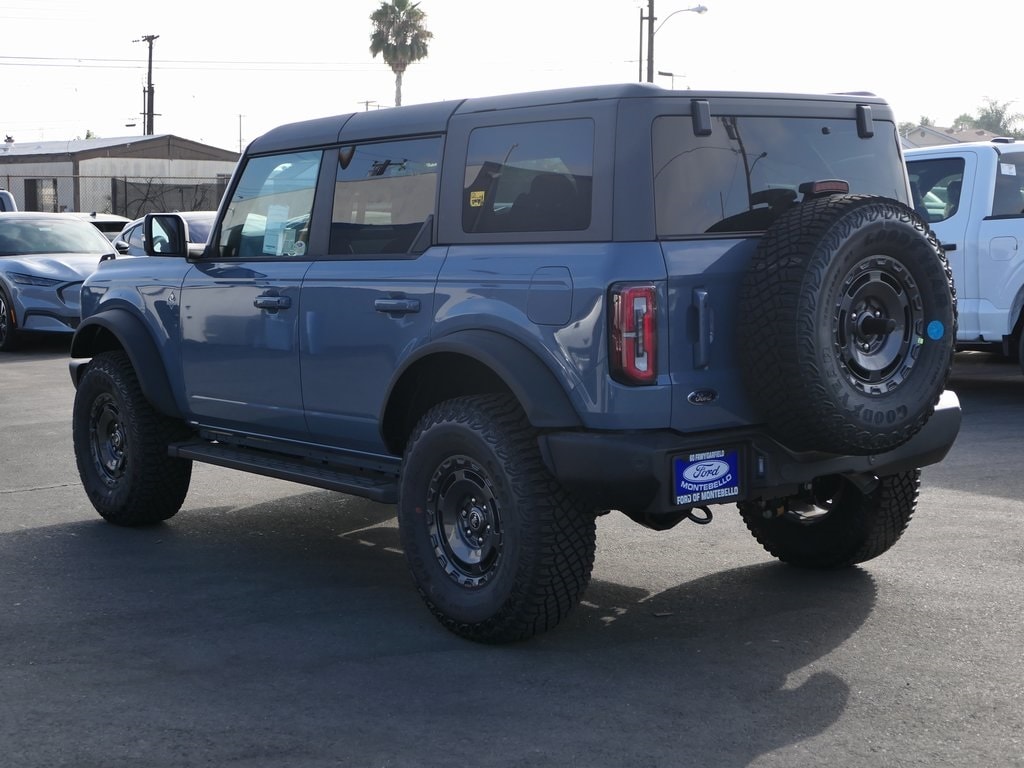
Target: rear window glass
[529, 177]
[749, 170]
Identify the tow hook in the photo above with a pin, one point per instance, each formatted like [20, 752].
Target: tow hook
[702, 519]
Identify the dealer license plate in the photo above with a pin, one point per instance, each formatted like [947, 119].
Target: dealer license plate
[705, 477]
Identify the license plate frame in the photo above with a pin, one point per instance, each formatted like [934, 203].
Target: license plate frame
[707, 476]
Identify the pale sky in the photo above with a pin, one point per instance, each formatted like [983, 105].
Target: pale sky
[225, 70]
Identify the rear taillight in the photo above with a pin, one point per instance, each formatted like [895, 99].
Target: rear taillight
[634, 338]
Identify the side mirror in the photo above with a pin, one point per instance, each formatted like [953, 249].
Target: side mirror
[166, 234]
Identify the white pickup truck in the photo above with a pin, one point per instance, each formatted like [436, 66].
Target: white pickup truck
[972, 195]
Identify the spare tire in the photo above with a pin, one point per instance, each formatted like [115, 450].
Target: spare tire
[847, 327]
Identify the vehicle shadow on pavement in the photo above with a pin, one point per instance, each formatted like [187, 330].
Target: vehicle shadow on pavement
[289, 633]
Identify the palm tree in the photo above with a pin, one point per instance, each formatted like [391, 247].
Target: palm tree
[400, 36]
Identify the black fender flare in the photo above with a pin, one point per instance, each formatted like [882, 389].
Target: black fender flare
[131, 335]
[543, 398]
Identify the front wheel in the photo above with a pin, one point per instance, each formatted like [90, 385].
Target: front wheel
[121, 446]
[8, 329]
[498, 550]
[835, 523]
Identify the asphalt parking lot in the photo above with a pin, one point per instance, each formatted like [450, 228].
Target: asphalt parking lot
[269, 624]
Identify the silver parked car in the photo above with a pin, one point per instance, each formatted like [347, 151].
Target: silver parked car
[130, 241]
[44, 257]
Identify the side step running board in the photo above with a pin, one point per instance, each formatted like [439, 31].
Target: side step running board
[376, 486]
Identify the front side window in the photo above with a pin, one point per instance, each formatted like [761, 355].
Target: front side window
[268, 217]
[529, 177]
[750, 170]
[383, 195]
[936, 185]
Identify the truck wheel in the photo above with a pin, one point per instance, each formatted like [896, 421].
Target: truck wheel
[835, 523]
[498, 550]
[121, 446]
[8, 333]
[848, 325]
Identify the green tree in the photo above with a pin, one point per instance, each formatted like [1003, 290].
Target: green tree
[996, 117]
[400, 36]
[963, 122]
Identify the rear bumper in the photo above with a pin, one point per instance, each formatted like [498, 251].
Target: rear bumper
[633, 471]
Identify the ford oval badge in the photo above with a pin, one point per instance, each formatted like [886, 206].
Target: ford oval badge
[702, 397]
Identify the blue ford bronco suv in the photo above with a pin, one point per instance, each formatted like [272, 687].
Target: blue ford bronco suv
[509, 315]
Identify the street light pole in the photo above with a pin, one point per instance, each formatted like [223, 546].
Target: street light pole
[651, 31]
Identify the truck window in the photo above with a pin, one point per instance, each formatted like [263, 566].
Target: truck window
[1008, 195]
[383, 194]
[744, 175]
[529, 177]
[936, 185]
[268, 217]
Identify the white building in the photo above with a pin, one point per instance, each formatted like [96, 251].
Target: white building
[129, 176]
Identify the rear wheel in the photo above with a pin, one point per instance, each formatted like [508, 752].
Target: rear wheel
[834, 523]
[121, 446]
[497, 548]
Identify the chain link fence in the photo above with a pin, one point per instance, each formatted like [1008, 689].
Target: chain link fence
[126, 196]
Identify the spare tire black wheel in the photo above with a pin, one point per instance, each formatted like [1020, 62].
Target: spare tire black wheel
[848, 325]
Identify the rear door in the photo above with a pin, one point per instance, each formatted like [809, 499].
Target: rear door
[368, 301]
[240, 306]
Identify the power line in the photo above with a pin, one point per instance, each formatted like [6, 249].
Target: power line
[184, 64]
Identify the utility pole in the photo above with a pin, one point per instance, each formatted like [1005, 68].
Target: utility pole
[650, 41]
[149, 84]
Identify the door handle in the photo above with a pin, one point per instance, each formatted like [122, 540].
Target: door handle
[705, 328]
[949, 246]
[397, 306]
[271, 302]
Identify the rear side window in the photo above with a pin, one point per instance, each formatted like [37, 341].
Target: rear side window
[748, 172]
[268, 217]
[935, 186]
[1008, 195]
[383, 195]
[529, 177]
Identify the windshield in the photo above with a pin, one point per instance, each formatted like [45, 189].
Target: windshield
[27, 237]
[750, 169]
[199, 229]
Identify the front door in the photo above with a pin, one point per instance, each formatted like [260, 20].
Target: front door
[240, 306]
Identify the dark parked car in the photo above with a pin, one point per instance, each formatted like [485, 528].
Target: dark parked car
[44, 257]
[130, 241]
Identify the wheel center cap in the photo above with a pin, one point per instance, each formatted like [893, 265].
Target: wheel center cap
[874, 325]
[476, 520]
